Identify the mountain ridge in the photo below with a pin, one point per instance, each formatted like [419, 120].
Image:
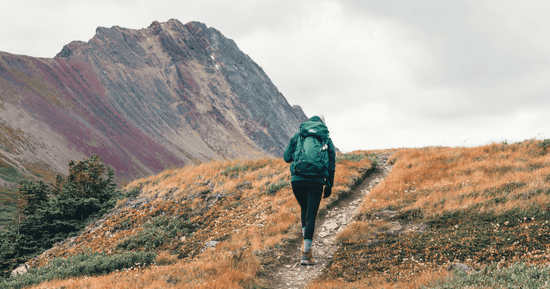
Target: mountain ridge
[143, 100]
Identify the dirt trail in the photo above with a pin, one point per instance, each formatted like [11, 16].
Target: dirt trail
[289, 273]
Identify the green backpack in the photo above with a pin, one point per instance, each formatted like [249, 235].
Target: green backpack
[311, 154]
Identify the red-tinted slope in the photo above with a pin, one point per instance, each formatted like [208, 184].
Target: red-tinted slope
[68, 96]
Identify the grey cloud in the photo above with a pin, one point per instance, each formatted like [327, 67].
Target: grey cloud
[473, 41]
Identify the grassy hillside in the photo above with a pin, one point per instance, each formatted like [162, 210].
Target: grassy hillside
[205, 226]
[484, 207]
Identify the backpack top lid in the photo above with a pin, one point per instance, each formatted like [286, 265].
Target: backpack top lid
[314, 128]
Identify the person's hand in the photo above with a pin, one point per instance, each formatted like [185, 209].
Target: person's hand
[328, 192]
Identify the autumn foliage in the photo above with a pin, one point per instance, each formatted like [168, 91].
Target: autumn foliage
[212, 225]
[222, 224]
[476, 206]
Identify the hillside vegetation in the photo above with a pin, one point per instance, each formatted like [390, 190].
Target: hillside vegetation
[484, 207]
[46, 214]
[224, 224]
[217, 224]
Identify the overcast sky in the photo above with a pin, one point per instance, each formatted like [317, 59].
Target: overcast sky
[386, 74]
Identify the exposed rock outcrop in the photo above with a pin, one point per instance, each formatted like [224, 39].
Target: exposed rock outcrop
[144, 100]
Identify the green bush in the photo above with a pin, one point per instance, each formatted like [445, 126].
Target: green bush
[519, 275]
[234, 170]
[157, 232]
[49, 214]
[545, 144]
[80, 265]
[131, 193]
[273, 188]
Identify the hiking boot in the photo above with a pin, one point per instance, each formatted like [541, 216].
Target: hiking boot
[307, 258]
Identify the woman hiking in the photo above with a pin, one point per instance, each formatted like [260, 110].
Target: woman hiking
[312, 157]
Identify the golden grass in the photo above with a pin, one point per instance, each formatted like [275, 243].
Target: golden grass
[415, 281]
[210, 270]
[493, 180]
[423, 178]
[226, 201]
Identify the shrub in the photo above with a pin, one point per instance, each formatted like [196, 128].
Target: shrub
[273, 188]
[234, 170]
[47, 215]
[132, 193]
[519, 275]
[155, 233]
[545, 144]
[80, 265]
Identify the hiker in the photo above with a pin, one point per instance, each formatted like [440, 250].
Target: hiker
[312, 157]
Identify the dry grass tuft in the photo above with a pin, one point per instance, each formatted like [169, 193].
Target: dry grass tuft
[165, 258]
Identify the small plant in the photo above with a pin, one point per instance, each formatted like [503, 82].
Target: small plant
[273, 188]
[131, 193]
[165, 258]
[234, 170]
[545, 144]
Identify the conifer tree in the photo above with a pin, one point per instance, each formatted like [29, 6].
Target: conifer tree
[49, 214]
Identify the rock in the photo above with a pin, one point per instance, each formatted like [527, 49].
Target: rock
[461, 267]
[331, 226]
[22, 269]
[214, 199]
[209, 245]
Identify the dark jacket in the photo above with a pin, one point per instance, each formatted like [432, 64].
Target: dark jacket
[289, 153]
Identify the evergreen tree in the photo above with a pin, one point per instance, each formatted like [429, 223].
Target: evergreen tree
[47, 215]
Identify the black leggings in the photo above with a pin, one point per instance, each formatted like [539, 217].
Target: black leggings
[309, 196]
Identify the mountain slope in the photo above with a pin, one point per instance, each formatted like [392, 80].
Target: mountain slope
[143, 100]
[224, 220]
[473, 209]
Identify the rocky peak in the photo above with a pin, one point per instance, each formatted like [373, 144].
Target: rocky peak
[151, 98]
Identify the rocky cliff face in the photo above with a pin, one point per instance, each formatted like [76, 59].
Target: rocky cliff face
[143, 100]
